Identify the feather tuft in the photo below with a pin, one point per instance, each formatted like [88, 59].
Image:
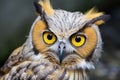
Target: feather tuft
[46, 6]
[92, 14]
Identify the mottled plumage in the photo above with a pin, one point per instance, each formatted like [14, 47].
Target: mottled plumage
[61, 45]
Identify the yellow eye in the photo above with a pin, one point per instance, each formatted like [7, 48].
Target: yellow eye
[49, 38]
[78, 40]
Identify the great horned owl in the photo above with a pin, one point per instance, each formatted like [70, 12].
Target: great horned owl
[62, 45]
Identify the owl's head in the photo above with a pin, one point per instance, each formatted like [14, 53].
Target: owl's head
[67, 39]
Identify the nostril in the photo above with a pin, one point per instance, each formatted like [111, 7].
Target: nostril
[59, 47]
[62, 46]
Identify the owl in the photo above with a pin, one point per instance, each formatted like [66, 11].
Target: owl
[61, 45]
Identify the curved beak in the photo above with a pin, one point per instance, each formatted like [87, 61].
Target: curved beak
[61, 51]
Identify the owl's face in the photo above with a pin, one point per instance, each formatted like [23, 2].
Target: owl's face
[67, 39]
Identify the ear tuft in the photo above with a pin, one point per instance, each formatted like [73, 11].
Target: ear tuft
[43, 6]
[100, 20]
[92, 14]
[38, 7]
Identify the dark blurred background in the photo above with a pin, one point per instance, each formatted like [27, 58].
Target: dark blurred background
[17, 16]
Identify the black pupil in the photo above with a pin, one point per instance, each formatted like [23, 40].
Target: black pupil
[78, 39]
[49, 36]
